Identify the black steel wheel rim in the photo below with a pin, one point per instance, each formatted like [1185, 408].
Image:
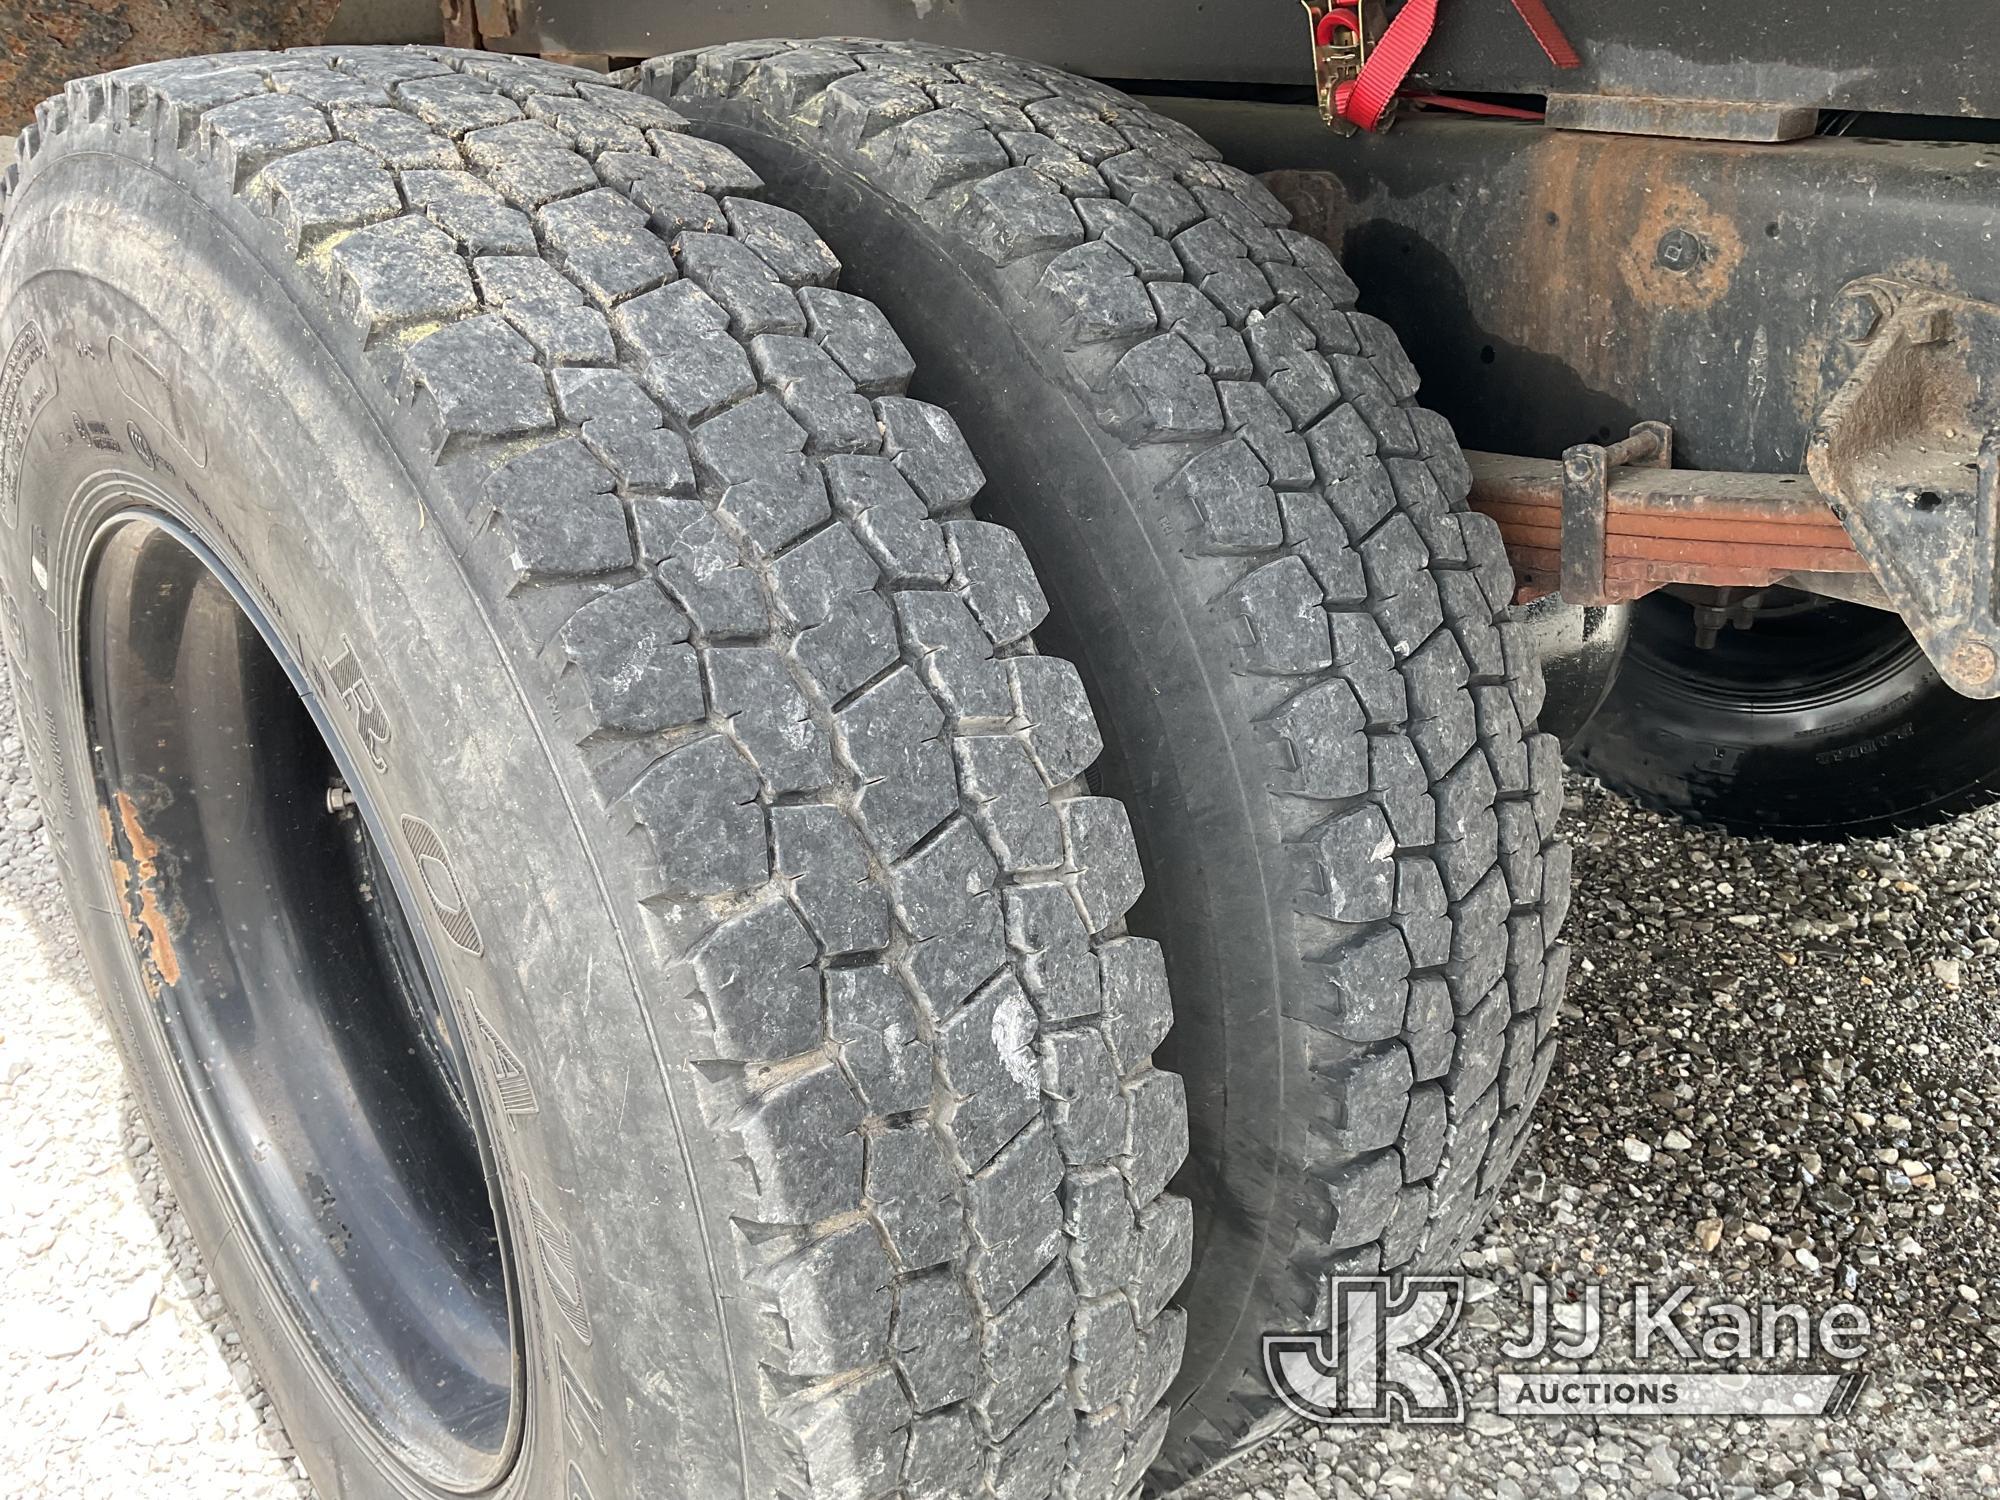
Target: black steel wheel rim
[300, 1003]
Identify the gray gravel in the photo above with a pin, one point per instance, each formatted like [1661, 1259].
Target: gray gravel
[1780, 1078]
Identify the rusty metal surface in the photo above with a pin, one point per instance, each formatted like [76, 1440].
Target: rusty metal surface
[1586, 501]
[1770, 301]
[460, 23]
[1665, 526]
[1908, 451]
[497, 18]
[1551, 285]
[135, 866]
[44, 43]
[1692, 119]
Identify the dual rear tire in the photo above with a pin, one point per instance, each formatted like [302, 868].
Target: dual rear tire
[705, 700]
[1255, 544]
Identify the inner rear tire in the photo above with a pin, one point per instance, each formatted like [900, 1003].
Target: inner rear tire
[1823, 720]
[1315, 701]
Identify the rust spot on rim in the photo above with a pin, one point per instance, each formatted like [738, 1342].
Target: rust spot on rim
[140, 881]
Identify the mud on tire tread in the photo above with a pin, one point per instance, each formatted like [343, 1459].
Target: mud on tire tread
[683, 474]
[1327, 513]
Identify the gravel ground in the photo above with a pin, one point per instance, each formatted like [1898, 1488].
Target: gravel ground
[1781, 1079]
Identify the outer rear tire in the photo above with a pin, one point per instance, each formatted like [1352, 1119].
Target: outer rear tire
[1297, 639]
[786, 949]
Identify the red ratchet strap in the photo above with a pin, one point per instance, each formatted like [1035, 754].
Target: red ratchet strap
[1367, 98]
